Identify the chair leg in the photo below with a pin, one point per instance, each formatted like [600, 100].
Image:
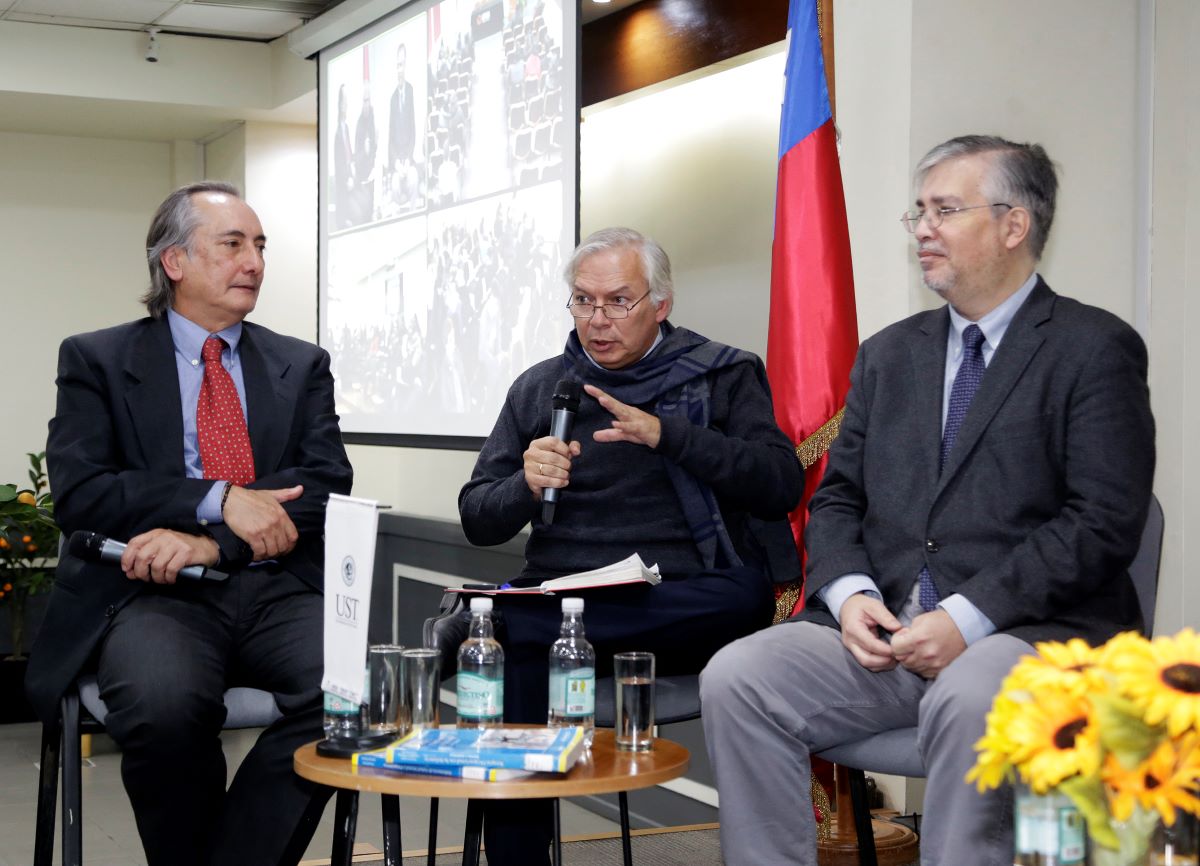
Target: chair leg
[392, 854]
[556, 850]
[431, 845]
[862, 818]
[474, 833]
[43, 846]
[345, 823]
[626, 848]
[72, 783]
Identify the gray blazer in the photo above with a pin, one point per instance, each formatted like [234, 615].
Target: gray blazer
[1040, 507]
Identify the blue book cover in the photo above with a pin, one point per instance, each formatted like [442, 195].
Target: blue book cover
[378, 760]
[544, 750]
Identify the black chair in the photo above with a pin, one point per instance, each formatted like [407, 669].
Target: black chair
[82, 712]
[894, 752]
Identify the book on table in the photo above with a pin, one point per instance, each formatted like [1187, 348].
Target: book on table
[629, 570]
[378, 760]
[544, 750]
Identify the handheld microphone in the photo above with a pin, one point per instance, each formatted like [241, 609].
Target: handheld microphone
[563, 406]
[94, 547]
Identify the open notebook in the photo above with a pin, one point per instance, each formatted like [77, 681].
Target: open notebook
[628, 570]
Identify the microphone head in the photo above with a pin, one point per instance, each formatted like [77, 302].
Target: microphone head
[566, 395]
[85, 545]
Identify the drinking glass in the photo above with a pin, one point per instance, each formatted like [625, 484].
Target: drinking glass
[422, 669]
[387, 711]
[634, 674]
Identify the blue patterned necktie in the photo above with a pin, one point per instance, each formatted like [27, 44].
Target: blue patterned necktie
[966, 383]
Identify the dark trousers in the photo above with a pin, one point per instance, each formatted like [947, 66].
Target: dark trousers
[164, 664]
[683, 621]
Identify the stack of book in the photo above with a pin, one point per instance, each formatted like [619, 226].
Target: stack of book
[489, 754]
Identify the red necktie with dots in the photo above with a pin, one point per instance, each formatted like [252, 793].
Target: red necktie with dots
[220, 426]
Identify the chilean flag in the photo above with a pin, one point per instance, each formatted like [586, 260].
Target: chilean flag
[813, 333]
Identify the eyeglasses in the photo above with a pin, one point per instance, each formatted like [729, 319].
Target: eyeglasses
[934, 215]
[586, 309]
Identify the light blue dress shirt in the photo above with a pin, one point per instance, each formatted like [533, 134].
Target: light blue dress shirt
[970, 621]
[189, 338]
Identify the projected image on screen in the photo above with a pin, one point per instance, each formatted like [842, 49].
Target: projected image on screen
[448, 206]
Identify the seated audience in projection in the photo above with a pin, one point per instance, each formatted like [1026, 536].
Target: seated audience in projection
[987, 490]
[197, 438]
[445, 199]
[674, 455]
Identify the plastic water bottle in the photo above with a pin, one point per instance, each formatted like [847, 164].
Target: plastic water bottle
[480, 672]
[573, 674]
[1050, 831]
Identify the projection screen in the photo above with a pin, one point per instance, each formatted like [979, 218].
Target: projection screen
[448, 203]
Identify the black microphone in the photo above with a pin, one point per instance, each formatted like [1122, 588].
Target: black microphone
[94, 547]
[563, 406]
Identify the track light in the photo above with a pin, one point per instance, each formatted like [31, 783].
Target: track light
[152, 46]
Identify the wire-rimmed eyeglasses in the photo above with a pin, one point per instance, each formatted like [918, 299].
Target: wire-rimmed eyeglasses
[586, 309]
[933, 216]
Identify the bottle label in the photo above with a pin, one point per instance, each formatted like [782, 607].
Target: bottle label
[338, 706]
[480, 697]
[1049, 828]
[573, 693]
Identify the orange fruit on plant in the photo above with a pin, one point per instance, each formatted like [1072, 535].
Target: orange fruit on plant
[26, 498]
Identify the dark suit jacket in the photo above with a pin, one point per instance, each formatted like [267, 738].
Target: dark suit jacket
[115, 456]
[402, 127]
[1040, 507]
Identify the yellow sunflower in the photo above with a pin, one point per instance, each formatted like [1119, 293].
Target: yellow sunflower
[995, 748]
[1162, 678]
[1047, 737]
[1072, 666]
[1163, 782]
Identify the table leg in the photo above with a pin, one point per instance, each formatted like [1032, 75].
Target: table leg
[431, 846]
[392, 852]
[556, 851]
[474, 834]
[626, 848]
[345, 821]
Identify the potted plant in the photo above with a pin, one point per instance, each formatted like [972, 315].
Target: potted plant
[28, 547]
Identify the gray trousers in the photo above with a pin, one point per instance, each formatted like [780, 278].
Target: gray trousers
[792, 690]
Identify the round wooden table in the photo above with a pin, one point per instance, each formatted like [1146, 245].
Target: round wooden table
[604, 770]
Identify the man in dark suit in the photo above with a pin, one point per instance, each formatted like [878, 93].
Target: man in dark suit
[198, 439]
[402, 123]
[987, 490]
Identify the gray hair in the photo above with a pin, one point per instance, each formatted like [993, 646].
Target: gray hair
[174, 224]
[656, 267]
[1022, 174]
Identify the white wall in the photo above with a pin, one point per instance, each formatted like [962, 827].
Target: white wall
[1174, 313]
[73, 216]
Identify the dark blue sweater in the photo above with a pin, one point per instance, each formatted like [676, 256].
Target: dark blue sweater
[620, 499]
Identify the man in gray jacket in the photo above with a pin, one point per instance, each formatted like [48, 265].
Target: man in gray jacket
[987, 490]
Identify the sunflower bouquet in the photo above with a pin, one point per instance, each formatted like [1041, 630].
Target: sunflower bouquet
[1115, 728]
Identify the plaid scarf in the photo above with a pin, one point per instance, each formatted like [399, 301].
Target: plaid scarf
[675, 377]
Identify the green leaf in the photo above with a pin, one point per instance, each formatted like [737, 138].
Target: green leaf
[1122, 730]
[1088, 797]
[7, 492]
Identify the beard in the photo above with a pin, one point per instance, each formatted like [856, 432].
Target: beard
[939, 283]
